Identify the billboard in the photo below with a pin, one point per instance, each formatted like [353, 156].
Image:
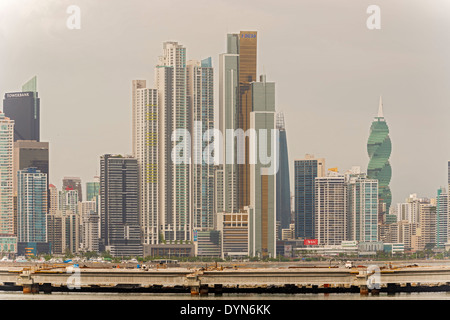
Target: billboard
[310, 242]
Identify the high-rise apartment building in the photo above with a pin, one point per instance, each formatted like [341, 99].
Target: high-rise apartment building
[442, 223]
[283, 183]
[32, 205]
[24, 108]
[362, 207]
[120, 229]
[8, 239]
[73, 183]
[200, 101]
[305, 172]
[146, 150]
[68, 200]
[330, 209]
[53, 199]
[428, 225]
[174, 117]
[90, 232]
[379, 150]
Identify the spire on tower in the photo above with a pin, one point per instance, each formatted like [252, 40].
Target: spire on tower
[380, 109]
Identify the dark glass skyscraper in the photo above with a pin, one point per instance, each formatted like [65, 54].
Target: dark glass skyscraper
[283, 185]
[24, 108]
[306, 171]
[379, 149]
[120, 230]
[30, 154]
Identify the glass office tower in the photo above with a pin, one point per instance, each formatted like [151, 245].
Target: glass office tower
[283, 184]
[24, 108]
[379, 149]
[306, 171]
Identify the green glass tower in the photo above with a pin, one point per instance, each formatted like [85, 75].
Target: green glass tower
[379, 148]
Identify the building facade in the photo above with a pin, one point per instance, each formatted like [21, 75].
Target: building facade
[379, 149]
[283, 181]
[305, 172]
[32, 205]
[6, 185]
[146, 150]
[174, 117]
[330, 209]
[120, 229]
[24, 108]
[200, 94]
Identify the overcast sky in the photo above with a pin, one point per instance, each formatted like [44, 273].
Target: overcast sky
[329, 69]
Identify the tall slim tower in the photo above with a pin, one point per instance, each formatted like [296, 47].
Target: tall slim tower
[174, 116]
[331, 209]
[6, 175]
[362, 207]
[200, 93]
[145, 150]
[120, 231]
[263, 175]
[379, 148]
[238, 68]
[283, 184]
[32, 205]
[442, 224]
[306, 171]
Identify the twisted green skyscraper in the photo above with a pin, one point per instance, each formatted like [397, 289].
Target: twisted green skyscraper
[379, 149]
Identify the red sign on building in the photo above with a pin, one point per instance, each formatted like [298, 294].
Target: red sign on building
[310, 242]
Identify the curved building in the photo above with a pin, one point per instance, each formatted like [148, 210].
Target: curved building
[379, 148]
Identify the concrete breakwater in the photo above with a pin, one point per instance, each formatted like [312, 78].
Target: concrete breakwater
[219, 279]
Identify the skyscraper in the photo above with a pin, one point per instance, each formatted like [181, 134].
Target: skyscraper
[442, 223]
[379, 149]
[53, 199]
[306, 171]
[24, 108]
[8, 242]
[362, 207]
[237, 71]
[174, 117]
[30, 154]
[32, 205]
[228, 109]
[120, 230]
[200, 99]
[331, 209]
[146, 150]
[283, 184]
[262, 174]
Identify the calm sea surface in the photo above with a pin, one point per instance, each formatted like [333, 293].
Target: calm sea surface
[169, 296]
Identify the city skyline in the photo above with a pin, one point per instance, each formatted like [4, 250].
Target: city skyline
[88, 113]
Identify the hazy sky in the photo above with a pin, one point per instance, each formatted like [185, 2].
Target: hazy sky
[329, 69]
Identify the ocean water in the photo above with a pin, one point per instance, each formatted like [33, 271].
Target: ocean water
[225, 297]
